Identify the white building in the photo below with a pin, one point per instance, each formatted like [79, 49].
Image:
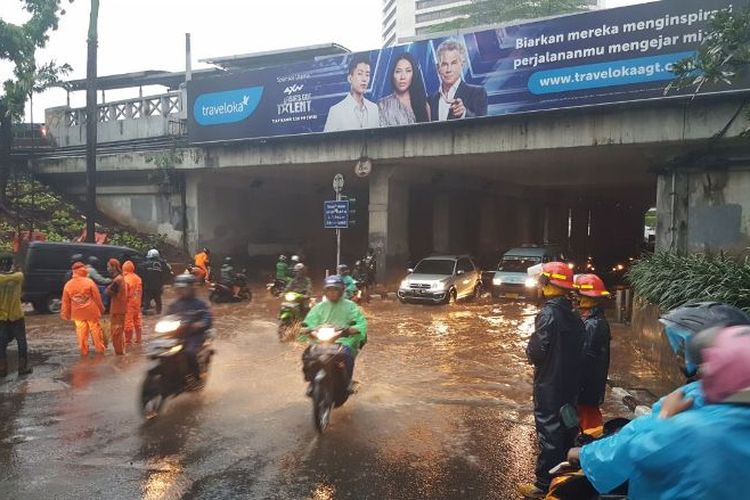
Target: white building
[409, 18]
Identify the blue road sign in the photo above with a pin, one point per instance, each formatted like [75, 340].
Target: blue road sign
[336, 214]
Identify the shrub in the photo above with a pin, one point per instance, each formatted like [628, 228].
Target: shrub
[670, 280]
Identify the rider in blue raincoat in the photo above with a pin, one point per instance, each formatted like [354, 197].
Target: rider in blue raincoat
[687, 447]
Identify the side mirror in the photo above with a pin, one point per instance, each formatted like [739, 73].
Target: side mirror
[459, 272]
[410, 270]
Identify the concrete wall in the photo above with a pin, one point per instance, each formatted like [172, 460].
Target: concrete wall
[704, 210]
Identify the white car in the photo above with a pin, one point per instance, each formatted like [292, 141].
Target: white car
[442, 280]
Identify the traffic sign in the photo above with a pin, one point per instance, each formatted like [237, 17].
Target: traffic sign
[338, 183]
[336, 214]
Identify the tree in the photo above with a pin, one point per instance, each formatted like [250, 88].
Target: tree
[723, 57]
[18, 44]
[482, 12]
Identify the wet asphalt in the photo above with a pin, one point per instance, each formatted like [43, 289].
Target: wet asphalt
[443, 410]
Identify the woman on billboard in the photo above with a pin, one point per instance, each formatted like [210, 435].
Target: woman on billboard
[408, 102]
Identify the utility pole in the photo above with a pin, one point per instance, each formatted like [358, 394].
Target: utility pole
[92, 119]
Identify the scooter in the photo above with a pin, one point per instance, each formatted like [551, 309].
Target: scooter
[224, 293]
[292, 312]
[276, 286]
[324, 369]
[361, 294]
[169, 373]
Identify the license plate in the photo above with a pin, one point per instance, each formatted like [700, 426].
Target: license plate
[512, 295]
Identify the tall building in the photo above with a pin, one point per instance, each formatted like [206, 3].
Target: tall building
[408, 18]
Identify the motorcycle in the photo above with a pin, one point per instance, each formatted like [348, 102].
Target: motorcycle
[324, 368]
[361, 294]
[220, 292]
[169, 373]
[292, 312]
[276, 286]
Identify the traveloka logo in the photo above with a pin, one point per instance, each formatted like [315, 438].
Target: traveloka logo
[231, 106]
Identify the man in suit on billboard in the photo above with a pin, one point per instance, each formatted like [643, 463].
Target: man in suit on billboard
[455, 99]
[354, 111]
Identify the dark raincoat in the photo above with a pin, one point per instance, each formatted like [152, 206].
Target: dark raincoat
[596, 359]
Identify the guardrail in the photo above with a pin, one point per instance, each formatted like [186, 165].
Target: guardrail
[130, 109]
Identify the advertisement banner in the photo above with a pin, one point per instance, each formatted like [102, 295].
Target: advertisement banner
[599, 57]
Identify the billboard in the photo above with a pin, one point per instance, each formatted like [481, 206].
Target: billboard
[597, 57]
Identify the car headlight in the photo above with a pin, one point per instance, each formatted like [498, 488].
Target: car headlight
[404, 284]
[530, 283]
[439, 285]
[167, 326]
[497, 281]
[290, 296]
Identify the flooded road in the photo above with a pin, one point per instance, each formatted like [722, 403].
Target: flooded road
[443, 411]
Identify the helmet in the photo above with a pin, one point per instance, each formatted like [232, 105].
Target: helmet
[76, 257]
[6, 262]
[282, 258]
[299, 267]
[558, 274]
[358, 263]
[590, 285]
[228, 260]
[184, 280]
[334, 281]
[684, 322]
[295, 258]
[724, 356]
[206, 250]
[92, 260]
[343, 269]
[152, 254]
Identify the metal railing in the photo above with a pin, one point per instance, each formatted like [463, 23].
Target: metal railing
[164, 105]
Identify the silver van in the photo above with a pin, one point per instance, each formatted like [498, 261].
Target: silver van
[511, 279]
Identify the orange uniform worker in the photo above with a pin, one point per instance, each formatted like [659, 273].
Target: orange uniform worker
[118, 305]
[203, 262]
[82, 304]
[133, 319]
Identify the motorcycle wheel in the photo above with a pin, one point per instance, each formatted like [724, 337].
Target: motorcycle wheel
[322, 406]
[152, 399]
[246, 295]
[283, 328]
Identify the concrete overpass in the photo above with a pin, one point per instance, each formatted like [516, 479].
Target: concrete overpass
[581, 178]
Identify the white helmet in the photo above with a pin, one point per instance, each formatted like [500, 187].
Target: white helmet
[152, 254]
[295, 258]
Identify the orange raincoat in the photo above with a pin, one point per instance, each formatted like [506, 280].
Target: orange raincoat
[133, 318]
[118, 307]
[82, 304]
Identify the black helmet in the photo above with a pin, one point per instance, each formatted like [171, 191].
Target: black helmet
[184, 280]
[702, 315]
[6, 262]
[343, 269]
[93, 261]
[76, 257]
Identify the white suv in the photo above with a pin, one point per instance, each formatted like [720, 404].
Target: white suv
[441, 279]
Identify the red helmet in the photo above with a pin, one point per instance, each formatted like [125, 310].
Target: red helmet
[558, 274]
[590, 285]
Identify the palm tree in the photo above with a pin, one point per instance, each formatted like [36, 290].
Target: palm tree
[482, 12]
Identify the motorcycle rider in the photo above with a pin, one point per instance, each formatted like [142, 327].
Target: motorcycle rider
[342, 313]
[302, 285]
[610, 462]
[228, 277]
[101, 282]
[350, 286]
[371, 265]
[202, 261]
[188, 304]
[282, 269]
[555, 349]
[592, 293]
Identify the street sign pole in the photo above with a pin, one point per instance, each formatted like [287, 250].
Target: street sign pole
[338, 186]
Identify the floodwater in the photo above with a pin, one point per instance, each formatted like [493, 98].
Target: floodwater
[443, 410]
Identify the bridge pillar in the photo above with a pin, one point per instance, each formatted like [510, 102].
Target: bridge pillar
[441, 223]
[389, 227]
[488, 230]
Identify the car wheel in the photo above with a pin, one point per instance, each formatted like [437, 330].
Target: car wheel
[477, 293]
[53, 304]
[452, 297]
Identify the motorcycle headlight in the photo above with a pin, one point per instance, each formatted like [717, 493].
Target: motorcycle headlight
[290, 297]
[530, 283]
[326, 333]
[167, 326]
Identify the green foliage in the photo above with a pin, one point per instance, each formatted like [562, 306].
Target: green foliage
[723, 57]
[669, 280]
[482, 12]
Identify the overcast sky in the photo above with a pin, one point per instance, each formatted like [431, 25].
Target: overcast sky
[137, 35]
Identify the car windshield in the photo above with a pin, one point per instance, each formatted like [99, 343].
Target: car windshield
[433, 266]
[517, 264]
